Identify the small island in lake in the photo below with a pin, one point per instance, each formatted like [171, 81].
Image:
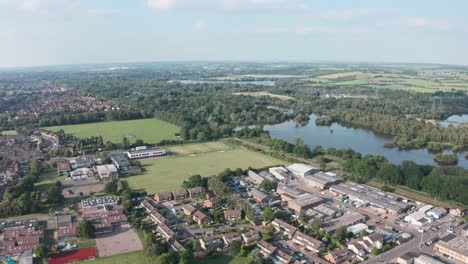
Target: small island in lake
[446, 159]
[324, 121]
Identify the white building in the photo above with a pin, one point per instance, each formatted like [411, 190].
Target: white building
[418, 218]
[107, 171]
[81, 174]
[425, 208]
[437, 212]
[145, 152]
[301, 170]
[357, 228]
[280, 173]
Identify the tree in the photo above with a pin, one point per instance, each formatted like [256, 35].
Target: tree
[186, 257]
[316, 225]
[58, 184]
[125, 143]
[268, 215]
[110, 187]
[235, 247]
[167, 258]
[341, 233]
[54, 195]
[86, 229]
[268, 185]
[40, 251]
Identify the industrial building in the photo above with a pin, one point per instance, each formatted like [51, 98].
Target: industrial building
[304, 202]
[301, 170]
[453, 246]
[322, 180]
[361, 194]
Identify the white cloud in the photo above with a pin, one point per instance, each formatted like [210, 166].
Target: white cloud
[37, 6]
[162, 4]
[225, 4]
[316, 30]
[199, 24]
[424, 22]
[349, 14]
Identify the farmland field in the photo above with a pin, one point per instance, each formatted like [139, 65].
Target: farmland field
[417, 83]
[9, 133]
[149, 130]
[167, 174]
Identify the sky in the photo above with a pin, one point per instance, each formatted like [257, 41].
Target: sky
[49, 32]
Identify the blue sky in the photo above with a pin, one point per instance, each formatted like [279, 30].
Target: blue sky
[43, 32]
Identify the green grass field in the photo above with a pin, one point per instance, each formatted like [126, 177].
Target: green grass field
[9, 133]
[197, 148]
[140, 258]
[149, 130]
[167, 174]
[417, 83]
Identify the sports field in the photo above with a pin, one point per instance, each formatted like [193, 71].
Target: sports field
[167, 174]
[198, 148]
[149, 130]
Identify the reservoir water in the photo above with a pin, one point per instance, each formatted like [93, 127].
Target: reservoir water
[361, 140]
[264, 83]
[455, 120]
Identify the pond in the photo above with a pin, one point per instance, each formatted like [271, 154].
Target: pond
[361, 140]
[263, 83]
[455, 120]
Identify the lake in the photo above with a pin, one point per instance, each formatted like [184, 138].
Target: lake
[361, 140]
[264, 83]
[455, 120]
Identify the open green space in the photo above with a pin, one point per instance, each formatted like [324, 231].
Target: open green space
[417, 83]
[223, 259]
[139, 257]
[197, 148]
[9, 133]
[47, 179]
[149, 130]
[127, 258]
[167, 174]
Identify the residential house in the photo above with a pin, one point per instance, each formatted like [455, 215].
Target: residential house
[284, 227]
[338, 256]
[164, 197]
[308, 242]
[233, 215]
[176, 246]
[188, 209]
[165, 231]
[211, 242]
[375, 240]
[251, 236]
[406, 258]
[266, 249]
[180, 194]
[281, 257]
[194, 192]
[201, 219]
[231, 237]
[356, 248]
[147, 205]
[157, 217]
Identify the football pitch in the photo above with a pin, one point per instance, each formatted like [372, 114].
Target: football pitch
[167, 174]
